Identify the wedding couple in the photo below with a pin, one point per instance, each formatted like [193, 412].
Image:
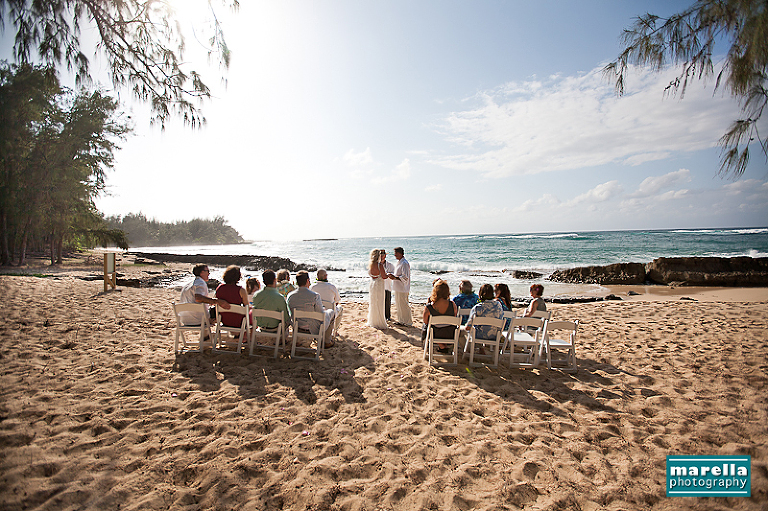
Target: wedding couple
[401, 285]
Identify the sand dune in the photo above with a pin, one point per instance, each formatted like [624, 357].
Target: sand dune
[98, 413]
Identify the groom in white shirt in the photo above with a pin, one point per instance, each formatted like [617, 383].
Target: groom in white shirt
[401, 285]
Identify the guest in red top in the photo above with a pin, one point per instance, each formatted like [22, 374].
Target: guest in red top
[231, 292]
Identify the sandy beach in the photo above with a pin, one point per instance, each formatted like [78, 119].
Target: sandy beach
[98, 413]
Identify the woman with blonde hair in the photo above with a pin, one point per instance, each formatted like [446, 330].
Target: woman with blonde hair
[378, 273]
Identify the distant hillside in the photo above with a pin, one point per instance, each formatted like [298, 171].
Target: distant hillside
[142, 232]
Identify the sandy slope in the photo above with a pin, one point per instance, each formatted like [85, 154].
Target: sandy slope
[97, 413]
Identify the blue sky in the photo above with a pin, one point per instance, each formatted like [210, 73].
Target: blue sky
[397, 118]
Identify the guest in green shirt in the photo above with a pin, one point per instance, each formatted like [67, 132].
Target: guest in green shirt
[270, 299]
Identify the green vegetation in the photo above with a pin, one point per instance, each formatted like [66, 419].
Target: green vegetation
[689, 38]
[142, 232]
[55, 148]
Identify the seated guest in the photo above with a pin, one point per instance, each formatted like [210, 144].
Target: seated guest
[251, 286]
[439, 304]
[503, 296]
[466, 299]
[305, 299]
[488, 307]
[268, 298]
[197, 292]
[284, 286]
[329, 294]
[232, 293]
[537, 304]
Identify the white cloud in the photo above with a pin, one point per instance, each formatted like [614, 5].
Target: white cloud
[356, 160]
[401, 172]
[600, 193]
[434, 188]
[654, 184]
[575, 122]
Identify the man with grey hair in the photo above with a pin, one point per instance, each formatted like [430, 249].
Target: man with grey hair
[330, 296]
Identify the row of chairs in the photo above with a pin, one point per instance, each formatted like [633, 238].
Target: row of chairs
[219, 340]
[524, 340]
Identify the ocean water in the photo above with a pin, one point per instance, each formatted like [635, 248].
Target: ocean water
[490, 258]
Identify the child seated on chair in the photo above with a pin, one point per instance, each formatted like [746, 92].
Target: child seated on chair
[252, 285]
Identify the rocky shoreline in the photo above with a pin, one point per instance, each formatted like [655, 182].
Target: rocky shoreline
[674, 271]
[249, 262]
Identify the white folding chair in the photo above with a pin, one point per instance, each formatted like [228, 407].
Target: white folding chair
[525, 334]
[507, 317]
[542, 314]
[259, 336]
[224, 345]
[560, 344]
[472, 339]
[318, 338]
[203, 329]
[431, 340]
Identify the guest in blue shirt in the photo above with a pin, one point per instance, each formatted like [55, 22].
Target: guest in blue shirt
[466, 299]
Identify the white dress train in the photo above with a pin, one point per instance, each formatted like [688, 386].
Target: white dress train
[376, 317]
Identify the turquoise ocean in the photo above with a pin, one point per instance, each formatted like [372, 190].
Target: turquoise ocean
[489, 258]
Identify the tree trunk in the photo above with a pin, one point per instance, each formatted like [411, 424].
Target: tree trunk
[53, 249]
[59, 245]
[23, 247]
[5, 257]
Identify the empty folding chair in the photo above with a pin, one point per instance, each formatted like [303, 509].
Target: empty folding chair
[524, 341]
[559, 345]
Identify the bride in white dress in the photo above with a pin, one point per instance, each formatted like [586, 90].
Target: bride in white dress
[378, 274]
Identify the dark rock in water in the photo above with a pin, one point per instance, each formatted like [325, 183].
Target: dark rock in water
[709, 271]
[438, 272]
[688, 298]
[250, 262]
[522, 274]
[674, 271]
[620, 273]
[612, 297]
[633, 293]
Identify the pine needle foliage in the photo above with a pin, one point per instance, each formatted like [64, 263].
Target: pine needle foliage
[688, 39]
[141, 40]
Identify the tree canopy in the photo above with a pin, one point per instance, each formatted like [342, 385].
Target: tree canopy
[141, 40]
[56, 147]
[689, 39]
[143, 232]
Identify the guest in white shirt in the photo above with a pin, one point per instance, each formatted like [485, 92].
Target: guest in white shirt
[401, 285]
[330, 295]
[197, 292]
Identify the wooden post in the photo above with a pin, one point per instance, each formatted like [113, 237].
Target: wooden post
[110, 272]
